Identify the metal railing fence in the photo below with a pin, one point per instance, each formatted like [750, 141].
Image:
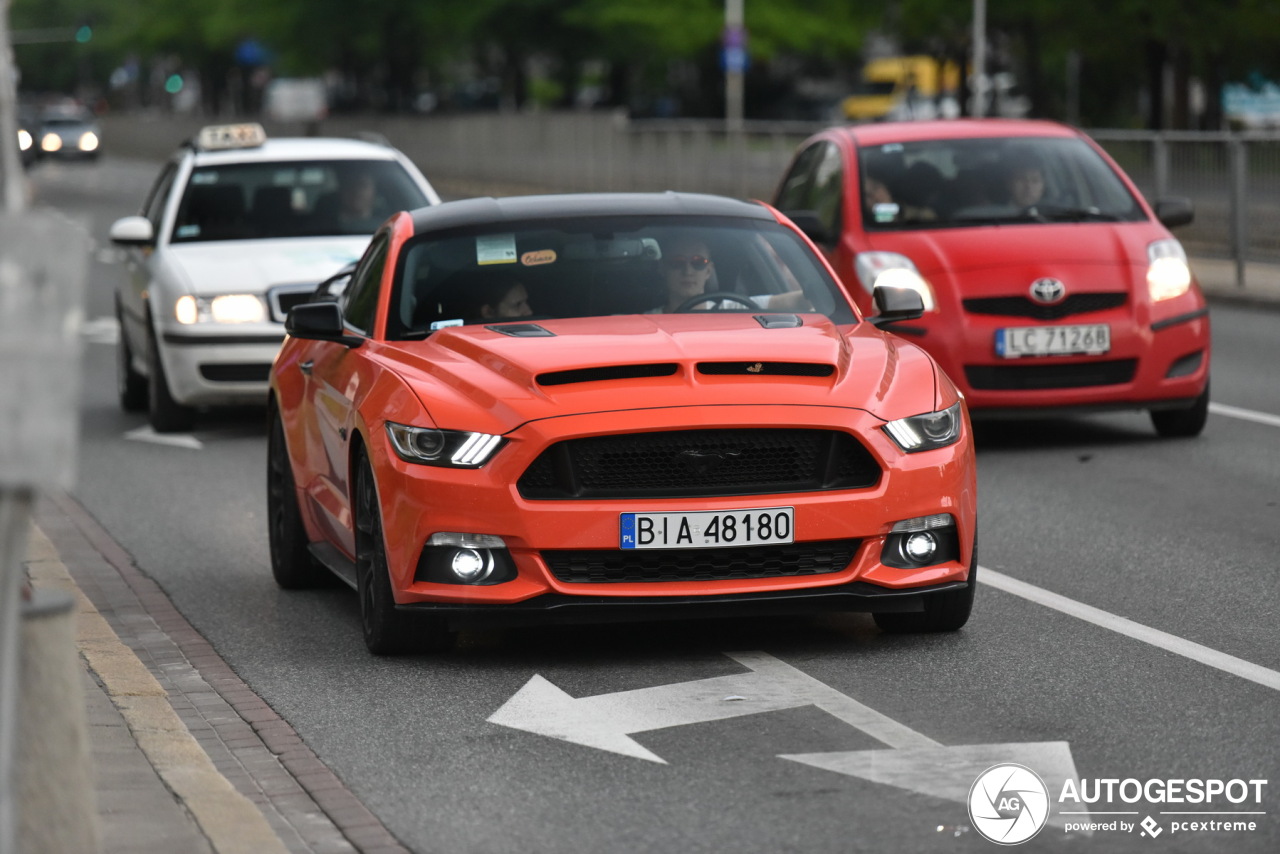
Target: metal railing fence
[1232, 178]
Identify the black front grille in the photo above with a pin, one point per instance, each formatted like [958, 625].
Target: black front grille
[619, 566]
[1025, 377]
[1024, 307]
[684, 463]
[236, 373]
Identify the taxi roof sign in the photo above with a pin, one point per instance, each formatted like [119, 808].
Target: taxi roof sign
[223, 137]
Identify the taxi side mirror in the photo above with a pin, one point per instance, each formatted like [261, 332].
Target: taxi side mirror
[132, 231]
[896, 304]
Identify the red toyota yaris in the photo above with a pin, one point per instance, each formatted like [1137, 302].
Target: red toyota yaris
[1049, 283]
[614, 407]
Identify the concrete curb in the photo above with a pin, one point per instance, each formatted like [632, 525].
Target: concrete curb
[229, 820]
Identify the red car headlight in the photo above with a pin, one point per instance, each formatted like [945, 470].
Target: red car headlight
[431, 446]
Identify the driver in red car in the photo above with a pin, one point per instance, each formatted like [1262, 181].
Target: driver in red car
[687, 267]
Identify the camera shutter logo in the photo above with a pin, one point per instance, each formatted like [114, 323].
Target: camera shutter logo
[1048, 291]
[1008, 804]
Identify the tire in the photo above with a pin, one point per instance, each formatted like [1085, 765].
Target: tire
[291, 562]
[165, 413]
[130, 385]
[386, 630]
[1182, 423]
[943, 612]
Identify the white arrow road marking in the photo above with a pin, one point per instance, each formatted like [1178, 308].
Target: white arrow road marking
[1122, 625]
[1244, 414]
[173, 440]
[607, 721]
[949, 772]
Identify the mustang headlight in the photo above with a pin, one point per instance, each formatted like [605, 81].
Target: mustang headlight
[928, 431]
[890, 269]
[227, 308]
[1168, 275]
[450, 448]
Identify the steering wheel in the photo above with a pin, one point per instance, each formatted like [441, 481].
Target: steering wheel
[715, 296]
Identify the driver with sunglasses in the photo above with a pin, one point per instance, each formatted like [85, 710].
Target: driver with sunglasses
[687, 267]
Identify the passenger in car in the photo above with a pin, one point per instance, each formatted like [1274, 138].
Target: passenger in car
[1025, 182]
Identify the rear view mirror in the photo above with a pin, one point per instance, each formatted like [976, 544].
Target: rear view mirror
[896, 304]
[319, 321]
[132, 231]
[813, 227]
[1175, 211]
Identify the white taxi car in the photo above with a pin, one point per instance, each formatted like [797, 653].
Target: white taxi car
[237, 229]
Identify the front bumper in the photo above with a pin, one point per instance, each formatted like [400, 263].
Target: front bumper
[418, 501]
[224, 367]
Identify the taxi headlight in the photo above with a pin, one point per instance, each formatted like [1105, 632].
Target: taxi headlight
[1168, 275]
[450, 448]
[50, 142]
[928, 431]
[893, 270]
[227, 308]
[89, 141]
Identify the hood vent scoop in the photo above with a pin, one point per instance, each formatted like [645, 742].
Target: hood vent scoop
[522, 330]
[608, 372]
[779, 321]
[767, 369]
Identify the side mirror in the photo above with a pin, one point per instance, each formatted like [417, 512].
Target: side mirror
[132, 231]
[1175, 211]
[319, 321]
[896, 304]
[812, 226]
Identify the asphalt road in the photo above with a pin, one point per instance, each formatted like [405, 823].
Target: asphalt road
[1179, 537]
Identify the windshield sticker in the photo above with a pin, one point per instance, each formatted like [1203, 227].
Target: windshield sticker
[445, 324]
[496, 249]
[187, 231]
[541, 256]
[885, 211]
[204, 178]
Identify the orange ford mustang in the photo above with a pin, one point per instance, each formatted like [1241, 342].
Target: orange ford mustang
[613, 406]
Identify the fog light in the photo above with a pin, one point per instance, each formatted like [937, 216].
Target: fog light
[921, 547]
[470, 565]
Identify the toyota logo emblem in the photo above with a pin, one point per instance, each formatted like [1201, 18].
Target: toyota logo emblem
[1048, 291]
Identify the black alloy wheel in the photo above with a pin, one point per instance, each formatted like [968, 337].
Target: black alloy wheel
[165, 414]
[130, 385]
[1182, 423]
[291, 562]
[386, 630]
[943, 612]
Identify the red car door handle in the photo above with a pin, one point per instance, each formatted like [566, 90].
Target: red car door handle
[306, 366]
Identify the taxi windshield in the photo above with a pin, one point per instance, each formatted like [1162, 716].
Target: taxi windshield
[597, 266]
[249, 201]
[947, 183]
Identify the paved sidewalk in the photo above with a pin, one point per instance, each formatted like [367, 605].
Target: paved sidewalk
[1219, 279]
[186, 758]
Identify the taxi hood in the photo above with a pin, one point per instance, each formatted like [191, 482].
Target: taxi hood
[252, 266]
[494, 378]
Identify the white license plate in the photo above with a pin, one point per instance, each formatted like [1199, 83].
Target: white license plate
[1018, 341]
[705, 530]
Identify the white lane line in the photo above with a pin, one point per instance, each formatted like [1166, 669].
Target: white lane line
[1244, 414]
[1137, 631]
[173, 440]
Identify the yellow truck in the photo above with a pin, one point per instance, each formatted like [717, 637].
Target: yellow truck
[892, 83]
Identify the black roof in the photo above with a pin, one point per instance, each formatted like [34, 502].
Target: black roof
[484, 211]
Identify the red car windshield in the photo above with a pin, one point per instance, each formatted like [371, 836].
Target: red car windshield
[964, 182]
[599, 266]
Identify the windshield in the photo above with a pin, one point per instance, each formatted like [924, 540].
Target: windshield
[591, 267]
[292, 199]
[966, 182]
